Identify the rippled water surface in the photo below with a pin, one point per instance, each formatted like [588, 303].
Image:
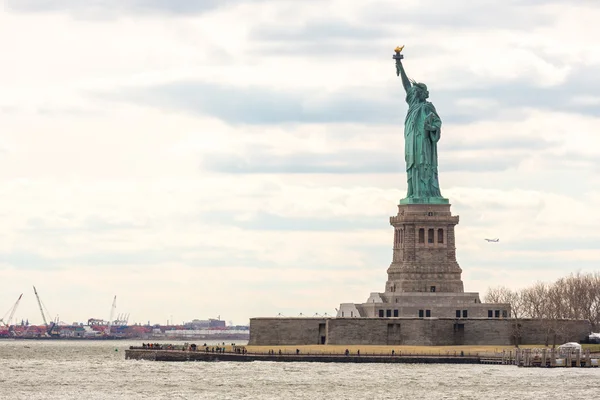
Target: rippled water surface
[98, 370]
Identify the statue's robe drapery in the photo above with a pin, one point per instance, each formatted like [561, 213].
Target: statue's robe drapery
[422, 129]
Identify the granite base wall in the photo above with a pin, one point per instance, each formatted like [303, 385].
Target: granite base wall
[285, 331]
[413, 331]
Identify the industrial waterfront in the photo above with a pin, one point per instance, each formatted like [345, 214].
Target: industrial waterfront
[116, 327]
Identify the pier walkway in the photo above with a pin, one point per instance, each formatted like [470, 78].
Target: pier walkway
[519, 357]
[137, 353]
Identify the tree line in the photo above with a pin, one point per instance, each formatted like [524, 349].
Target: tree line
[576, 296]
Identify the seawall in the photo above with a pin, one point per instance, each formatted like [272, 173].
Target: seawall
[178, 355]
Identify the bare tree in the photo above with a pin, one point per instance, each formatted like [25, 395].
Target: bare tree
[535, 301]
[589, 304]
[514, 298]
[499, 294]
[576, 296]
[595, 301]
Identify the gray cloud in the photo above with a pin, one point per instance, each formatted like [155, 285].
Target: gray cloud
[92, 224]
[321, 31]
[263, 161]
[263, 221]
[334, 49]
[200, 257]
[480, 163]
[9, 110]
[331, 37]
[25, 260]
[111, 8]
[543, 261]
[461, 14]
[586, 162]
[69, 111]
[383, 22]
[472, 213]
[350, 162]
[523, 262]
[553, 245]
[264, 106]
[521, 143]
[522, 94]
[211, 257]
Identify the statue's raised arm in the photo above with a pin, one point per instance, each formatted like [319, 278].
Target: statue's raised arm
[400, 68]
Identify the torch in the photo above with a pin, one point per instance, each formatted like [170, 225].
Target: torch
[398, 57]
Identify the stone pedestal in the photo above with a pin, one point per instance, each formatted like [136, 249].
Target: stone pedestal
[424, 255]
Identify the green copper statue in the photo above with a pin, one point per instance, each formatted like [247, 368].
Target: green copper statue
[422, 128]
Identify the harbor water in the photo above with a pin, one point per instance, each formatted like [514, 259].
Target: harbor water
[31, 369]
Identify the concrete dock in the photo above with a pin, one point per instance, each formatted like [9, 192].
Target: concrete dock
[199, 355]
[521, 357]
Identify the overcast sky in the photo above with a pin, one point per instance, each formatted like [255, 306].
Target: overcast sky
[241, 158]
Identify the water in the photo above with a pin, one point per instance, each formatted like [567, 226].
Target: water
[94, 370]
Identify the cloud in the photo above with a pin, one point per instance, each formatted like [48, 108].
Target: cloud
[197, 257]
[553, 245]
[505, 142]
[34, 261]
[67, 224]
[264, 106]
[462, 14]
[332, 37]
[532, 262]
[25, 259]
[324, 30]
[345, 162]
[268, 221]
[481, 154]
[579, 83]
[118, 7]
[359, 31]
[268, 106]
[351, 162]
[9, 110]
[481, 273]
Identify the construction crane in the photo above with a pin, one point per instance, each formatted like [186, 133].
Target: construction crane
[49, 328]
[112, 313]
[40, 304]
[11, 312]
[121, 320]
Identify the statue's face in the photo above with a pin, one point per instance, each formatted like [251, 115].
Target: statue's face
[422, 92]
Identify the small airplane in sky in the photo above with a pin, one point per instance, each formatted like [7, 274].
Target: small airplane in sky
[493, 240]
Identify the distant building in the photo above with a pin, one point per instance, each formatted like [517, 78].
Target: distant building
[205, 324]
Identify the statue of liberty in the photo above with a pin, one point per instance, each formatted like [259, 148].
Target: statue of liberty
[422, 128]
